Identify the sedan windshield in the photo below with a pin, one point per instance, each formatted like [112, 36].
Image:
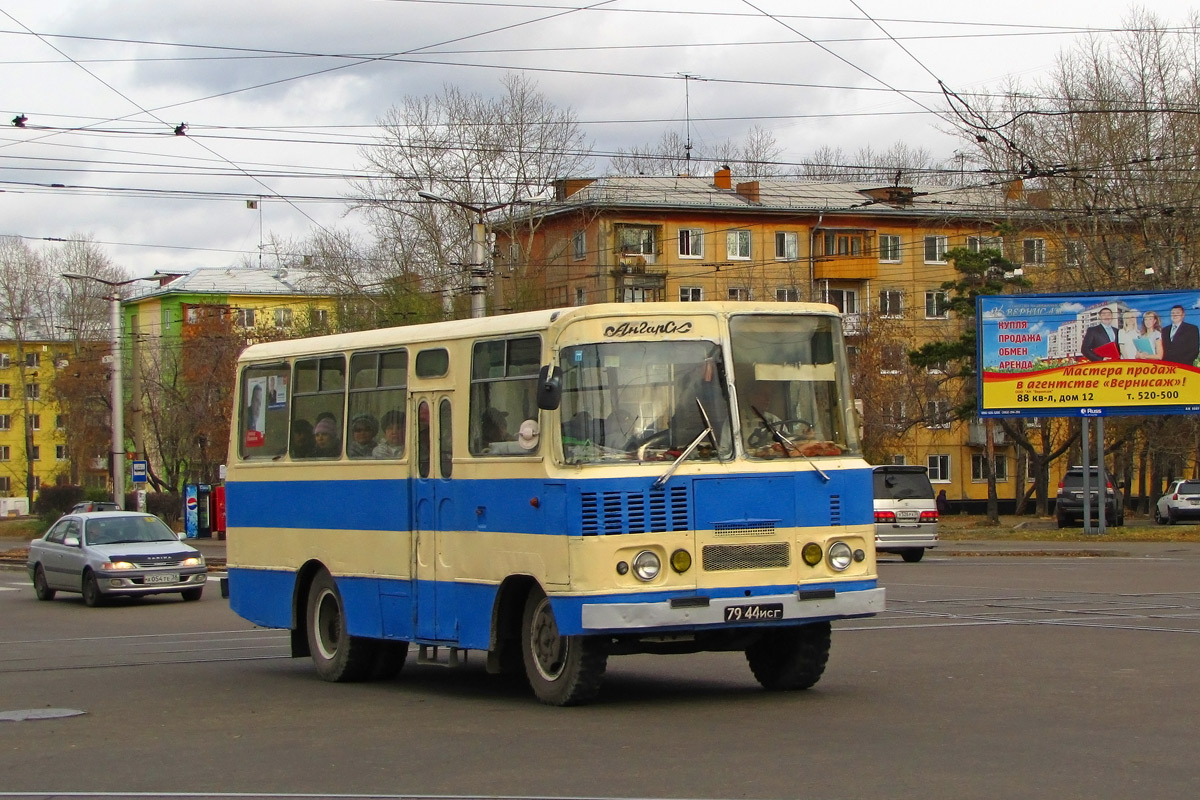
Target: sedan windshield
[126, 530]
[638, 401]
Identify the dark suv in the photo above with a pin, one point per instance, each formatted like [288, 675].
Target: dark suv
[1069, 506]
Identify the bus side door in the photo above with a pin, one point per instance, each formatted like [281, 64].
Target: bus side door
[434, 609]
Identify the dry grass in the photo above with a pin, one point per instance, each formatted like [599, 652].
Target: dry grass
[960, 527]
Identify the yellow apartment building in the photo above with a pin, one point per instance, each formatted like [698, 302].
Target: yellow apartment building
[877, 253]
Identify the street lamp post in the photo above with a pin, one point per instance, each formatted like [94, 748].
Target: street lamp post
[118, 398]
[479, 270]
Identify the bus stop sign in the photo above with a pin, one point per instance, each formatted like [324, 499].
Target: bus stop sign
[138, 472]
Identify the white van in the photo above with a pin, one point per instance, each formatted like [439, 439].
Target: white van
[906, 516]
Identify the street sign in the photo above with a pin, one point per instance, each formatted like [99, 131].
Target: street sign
[138, 472]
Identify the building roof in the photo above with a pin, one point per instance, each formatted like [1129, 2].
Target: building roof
[783, 195]
[235, 281]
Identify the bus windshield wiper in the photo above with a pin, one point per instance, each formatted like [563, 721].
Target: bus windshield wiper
[707, 432]
[787, 443]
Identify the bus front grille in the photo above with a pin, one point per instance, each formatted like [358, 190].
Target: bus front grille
[615, 512]
[715, 557]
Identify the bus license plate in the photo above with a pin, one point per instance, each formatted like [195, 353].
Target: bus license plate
[756, 612]
[163, 577]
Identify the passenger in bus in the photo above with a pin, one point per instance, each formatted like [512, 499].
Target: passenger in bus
[392, 444]
[328, 445]
[495, 426]
[302, 445]
[363, 432]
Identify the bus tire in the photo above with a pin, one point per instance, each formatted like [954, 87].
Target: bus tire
[561, 670]
[788, 659]
[338, 656]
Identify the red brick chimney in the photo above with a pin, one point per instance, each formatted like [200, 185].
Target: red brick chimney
[749, 190]
[723, 179]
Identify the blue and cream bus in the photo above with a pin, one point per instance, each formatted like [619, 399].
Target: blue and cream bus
[554, 488]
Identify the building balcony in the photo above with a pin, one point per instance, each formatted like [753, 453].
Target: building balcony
[854, 324]
[846, 268]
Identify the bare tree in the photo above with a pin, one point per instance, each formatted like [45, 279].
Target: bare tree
[901, 164]
[756, 156]
[476, 151]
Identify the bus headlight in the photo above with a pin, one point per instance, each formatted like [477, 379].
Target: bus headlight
[646, 566]
[681, 561]
[811, 553]
[840, 556]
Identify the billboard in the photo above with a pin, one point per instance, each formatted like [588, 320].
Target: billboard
[1065, 355]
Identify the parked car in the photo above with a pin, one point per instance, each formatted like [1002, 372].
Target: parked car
[110, 553]
[906, 516]
[1181, 501]
[1068, 507]
[94, 505]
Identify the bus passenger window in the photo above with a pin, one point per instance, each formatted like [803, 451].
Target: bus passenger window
[503, 394]
[423, 443]
[445, 439]
[378, 387]
[319, 400]
[262, 413]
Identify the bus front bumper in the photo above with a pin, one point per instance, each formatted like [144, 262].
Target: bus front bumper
[721, 611]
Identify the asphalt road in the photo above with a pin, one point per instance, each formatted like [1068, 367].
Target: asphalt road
[988, 676]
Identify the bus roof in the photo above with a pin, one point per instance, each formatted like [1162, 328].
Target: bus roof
[510, 323]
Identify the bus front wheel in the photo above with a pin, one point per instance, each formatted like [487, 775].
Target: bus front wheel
[562, 670]
[337, 655]
[787, 659]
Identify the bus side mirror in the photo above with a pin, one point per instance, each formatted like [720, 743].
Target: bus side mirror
[549, 393]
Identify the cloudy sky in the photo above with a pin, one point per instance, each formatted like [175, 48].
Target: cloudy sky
[279, 96]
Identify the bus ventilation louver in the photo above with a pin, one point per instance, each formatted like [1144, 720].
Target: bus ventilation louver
[835, 509]
[740, 529]
[716, 557]
[608, 513]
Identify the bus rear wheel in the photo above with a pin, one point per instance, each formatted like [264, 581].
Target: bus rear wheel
[338, 656]
[562, 670]
[788, 659]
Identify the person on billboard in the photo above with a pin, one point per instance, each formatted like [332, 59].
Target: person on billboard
[1149, 344]
[1180, 339]
[1100, 341]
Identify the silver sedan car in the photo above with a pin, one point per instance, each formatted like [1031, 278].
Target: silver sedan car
[105, 554]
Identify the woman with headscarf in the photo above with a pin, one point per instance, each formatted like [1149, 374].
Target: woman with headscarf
[328, 444]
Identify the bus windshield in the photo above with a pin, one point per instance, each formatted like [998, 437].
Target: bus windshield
[793, 395]
[644, 401]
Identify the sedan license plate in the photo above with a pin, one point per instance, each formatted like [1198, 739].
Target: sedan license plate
[755, 612]
[163, 577]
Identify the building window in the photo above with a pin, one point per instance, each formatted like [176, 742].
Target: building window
[890, 303]
[899, 459]
[244, 317]
[935, 249]
[843, 244]
[787, 294]
[1073, 253]
[5, 483]
[691, 243]
[33, 359]
[979, 467]
[978, 243]
[4, 362]
[320, 316]
[1035, 251]
[739, 293]
[690, 294]
[283, 317]
[35, 422]
[5, 422]
[895, 415]
[889, 247]
[891, 358]
[846, 300]
[578, 246]
[5, 390]
[35, 453]
[939, 468]
[60, 452]
[937, 414]
[4, 454]
[787, 246]
[637, 240]
[60, 421]
[580, 296]
[33, 391]
[935, 304]
[737, 245]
